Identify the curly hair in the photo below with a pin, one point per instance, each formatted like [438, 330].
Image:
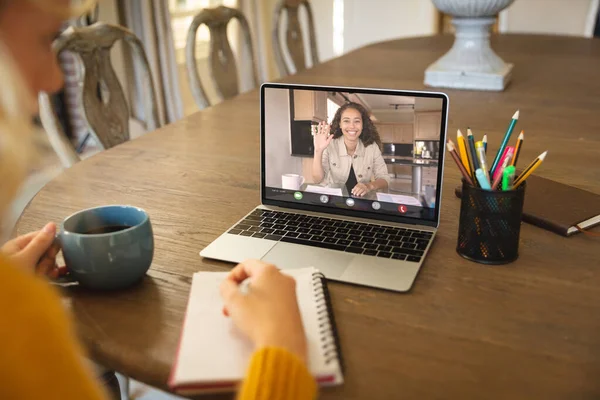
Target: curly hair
[369, 131]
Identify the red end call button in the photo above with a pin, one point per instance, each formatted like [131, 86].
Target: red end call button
[402, 208]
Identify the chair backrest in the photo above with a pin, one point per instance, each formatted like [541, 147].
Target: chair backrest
[103, 101]
[222, 63]
[293, 35]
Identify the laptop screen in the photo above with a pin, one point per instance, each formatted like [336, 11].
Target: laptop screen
[362, 152]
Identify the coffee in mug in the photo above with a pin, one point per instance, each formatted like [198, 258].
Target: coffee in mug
[109, 247]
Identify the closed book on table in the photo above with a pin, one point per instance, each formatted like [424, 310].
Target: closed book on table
[213, 354]
[558, 207]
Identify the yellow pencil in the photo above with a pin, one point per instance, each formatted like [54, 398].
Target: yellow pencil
[462, 148]
[529, 170]
[518, 149]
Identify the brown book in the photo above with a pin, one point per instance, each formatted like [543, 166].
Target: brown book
[558, 207]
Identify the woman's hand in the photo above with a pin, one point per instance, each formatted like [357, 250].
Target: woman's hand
[322, 137]
[35, 252]
[361, 189]
[268, 312]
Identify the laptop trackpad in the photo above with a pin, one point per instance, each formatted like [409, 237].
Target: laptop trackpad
[288, 256]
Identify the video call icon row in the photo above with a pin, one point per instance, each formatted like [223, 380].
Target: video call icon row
[350, 202]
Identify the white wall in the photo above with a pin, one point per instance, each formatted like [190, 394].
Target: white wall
[558, 17]
[372, 21]
[279, 160]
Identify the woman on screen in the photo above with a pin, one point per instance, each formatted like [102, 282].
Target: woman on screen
[348, 154]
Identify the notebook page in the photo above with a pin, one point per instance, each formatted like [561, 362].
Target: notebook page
[324, 190]
[213, 350]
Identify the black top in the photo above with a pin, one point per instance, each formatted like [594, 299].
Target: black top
[351, 181]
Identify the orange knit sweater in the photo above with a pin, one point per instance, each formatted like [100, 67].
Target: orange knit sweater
[41, 357]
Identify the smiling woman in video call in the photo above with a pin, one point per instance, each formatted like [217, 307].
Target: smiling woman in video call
[41, 357]
[348, 154]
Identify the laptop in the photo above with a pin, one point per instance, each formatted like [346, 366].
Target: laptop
[309, 216]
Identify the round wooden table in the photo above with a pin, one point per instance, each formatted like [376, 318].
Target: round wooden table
[530, 329]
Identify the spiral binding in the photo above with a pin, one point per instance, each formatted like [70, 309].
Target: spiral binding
[330, 341]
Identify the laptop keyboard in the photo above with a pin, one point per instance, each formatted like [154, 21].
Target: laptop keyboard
[352, 237]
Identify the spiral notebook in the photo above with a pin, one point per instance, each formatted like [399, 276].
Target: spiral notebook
[213, 354]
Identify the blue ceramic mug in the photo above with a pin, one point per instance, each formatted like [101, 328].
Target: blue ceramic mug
[108, 247]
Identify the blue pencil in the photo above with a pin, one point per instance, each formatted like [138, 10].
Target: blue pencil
[513, 122]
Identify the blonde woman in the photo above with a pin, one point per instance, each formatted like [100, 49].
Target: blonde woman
[40, 355]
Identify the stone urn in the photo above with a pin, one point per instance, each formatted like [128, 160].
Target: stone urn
[471, 63]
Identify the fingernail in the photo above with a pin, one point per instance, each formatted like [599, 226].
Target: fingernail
[49, 228]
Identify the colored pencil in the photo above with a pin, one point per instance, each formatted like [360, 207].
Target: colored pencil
[471, 150]
[503, 166]
[462, 148]
[484, 140]
[461, 167]
[509, 152]
[529, 170]
[518, 148]
[513, 122]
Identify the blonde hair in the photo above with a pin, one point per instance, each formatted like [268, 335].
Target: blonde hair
[17, 148]
[15, 129]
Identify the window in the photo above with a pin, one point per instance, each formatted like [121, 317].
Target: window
[332, 108]
[182, 14]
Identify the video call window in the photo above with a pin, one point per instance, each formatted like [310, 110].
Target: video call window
[370, 152]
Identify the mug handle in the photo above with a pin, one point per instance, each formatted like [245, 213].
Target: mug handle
[64, 277]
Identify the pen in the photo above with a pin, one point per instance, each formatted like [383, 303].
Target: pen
[508, 177]
[518, 148]
[482, 160]
[462, 148]
[458, 162]
[513, 122]
[483, 182]
[529, 170]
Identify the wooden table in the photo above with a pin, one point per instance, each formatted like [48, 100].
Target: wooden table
[530, 329]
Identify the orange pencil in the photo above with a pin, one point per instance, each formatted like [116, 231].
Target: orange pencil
[518, 148]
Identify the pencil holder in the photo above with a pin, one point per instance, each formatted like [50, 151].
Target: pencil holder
[489, 225]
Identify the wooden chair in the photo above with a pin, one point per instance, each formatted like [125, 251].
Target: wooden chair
[221, 60]
[104, 104]
[293, 34]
